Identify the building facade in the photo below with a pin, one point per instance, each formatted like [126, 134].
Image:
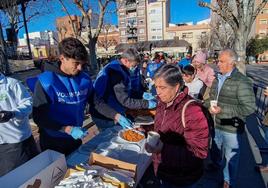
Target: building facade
[107, 41]
[43, 44]
[196, 35]
[68, 26]
[132, 22]
[158, 18]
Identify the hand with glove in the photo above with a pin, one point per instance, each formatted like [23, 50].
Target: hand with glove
[123, 121]
[148, 96]
[152, 104]
[78, 133]
[5, 116]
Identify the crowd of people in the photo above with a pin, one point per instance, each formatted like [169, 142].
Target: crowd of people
[190, 128]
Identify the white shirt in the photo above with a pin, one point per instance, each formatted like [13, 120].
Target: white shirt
[15, 97]
[194, 87]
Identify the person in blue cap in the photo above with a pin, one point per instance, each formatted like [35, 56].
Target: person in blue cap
[114, 85]
[185, 61]
[60, 96]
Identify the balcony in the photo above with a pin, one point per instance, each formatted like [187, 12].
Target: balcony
[131, 6]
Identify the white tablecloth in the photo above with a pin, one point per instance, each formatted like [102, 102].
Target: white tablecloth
[142, 159]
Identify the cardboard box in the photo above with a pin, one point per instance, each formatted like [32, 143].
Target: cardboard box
[111, 163]
[43, 171]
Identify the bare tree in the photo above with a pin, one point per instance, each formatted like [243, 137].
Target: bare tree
[221, 35]
[105, 41]
[240, 16]
[88, 9]
[204, 41]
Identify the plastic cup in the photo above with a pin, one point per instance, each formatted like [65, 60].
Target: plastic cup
[152, 138]
[213, 103]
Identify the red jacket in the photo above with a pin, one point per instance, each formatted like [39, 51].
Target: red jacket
[181, 159]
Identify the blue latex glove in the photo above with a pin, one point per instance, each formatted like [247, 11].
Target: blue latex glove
[78, 133]
[152, 104]
[124, 122]
[148, 96]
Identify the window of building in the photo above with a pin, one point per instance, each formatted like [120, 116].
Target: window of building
[152, 11]
[141, 30]
[40, 54]
[159, 37]
[122, 22]
[123, 32]
[263, 21]
[140, 12]
[141, 21]
[121, 13]
[154, 21]
[142, 38]
[153, 37]
[187, 35]
[264, 11]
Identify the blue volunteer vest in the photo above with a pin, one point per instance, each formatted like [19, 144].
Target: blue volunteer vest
[68, 96]
[152, 68]
[135, 82]
[102, 80]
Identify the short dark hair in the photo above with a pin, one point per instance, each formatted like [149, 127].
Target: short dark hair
[131, 54]
[171, 74]
[72, 48]
[188, 70]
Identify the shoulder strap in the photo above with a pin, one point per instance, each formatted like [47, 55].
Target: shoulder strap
[183, 112]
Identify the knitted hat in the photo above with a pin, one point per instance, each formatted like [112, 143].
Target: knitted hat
[200, 57]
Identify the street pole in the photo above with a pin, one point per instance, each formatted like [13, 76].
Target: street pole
[23, 8]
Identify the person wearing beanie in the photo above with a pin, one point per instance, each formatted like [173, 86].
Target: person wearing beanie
[204, 71]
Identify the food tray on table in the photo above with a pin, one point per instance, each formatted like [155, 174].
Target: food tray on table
[131, 136]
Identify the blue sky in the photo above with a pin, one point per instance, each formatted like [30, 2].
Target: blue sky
[181, 11]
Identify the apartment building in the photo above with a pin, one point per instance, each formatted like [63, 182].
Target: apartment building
[132, 21]
[158, 17]
[193, 34]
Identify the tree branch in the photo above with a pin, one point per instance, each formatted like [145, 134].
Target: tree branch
[222, 11]
[258, 10]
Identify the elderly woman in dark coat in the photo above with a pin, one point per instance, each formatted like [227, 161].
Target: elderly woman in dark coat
[178, 156]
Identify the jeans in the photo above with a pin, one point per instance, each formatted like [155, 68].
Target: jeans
[228, 145]
[103, 124]
[265, 154]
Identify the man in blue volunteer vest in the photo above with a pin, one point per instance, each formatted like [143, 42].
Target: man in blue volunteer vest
[154, 65]
[61, 94]
[114, 85]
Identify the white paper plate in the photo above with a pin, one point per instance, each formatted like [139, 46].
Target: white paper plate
[131, 147]
[118, 140]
